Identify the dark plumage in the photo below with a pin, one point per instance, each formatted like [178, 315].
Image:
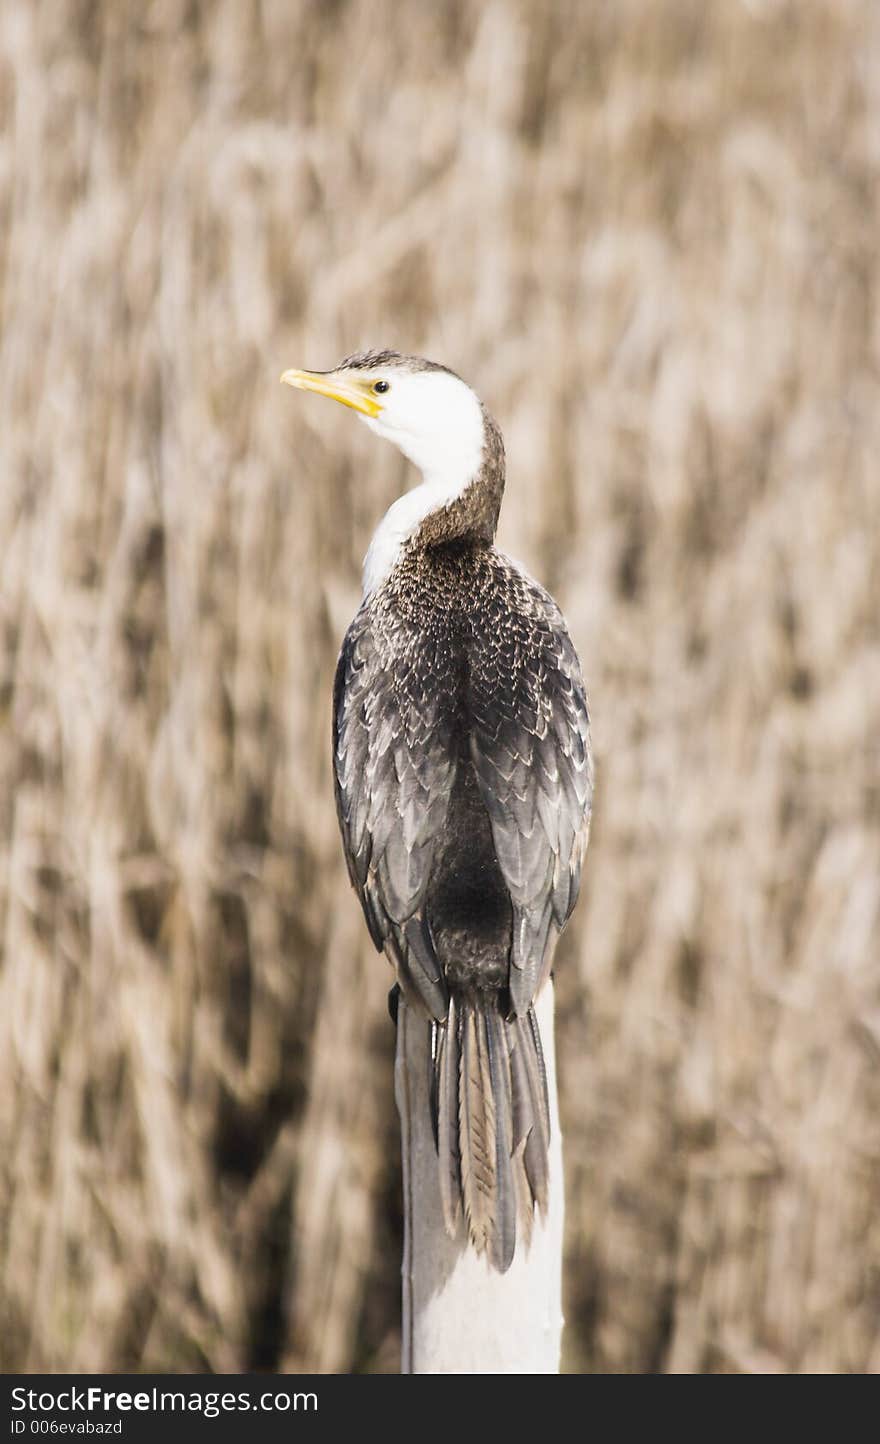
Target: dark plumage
[463, 775]
[375, 360]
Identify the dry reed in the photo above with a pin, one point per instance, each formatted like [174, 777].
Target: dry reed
[648, 235]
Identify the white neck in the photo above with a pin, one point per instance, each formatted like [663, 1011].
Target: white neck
[448, 466]
[437, 422]
[401, 522]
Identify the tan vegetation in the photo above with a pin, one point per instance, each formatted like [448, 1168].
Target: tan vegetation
[648, 235]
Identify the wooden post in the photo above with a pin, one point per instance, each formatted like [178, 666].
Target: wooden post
[459, 1315]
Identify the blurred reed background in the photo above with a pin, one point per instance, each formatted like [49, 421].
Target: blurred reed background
[648, 235]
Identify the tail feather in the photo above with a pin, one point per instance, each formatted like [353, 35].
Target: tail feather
[476, 1131]
[446, 1125]
[504, 1204]
[524, 1197]
[491, 1123]
[535, 1154]
[535, 1031]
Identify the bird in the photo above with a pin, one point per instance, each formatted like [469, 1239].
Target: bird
[463, 779]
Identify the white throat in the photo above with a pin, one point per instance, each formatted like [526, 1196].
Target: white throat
[445, 441]
[402, 520]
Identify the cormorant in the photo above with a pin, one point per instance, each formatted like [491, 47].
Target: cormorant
[463, 777]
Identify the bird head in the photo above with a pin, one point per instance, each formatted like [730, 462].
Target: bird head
[426, 410]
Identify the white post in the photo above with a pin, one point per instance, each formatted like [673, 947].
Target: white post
[459, 1315]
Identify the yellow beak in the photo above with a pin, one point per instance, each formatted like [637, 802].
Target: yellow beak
[349, 393]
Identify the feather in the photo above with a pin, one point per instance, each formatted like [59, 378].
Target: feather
[523, 1113]
[531, 1124]
[538, 1141]
[417, 966]
[476, 1130]
[535, 1034]
[530, 931]
[463, 779]
[504, 1202]
[421, 954]
[447, 1121]
[525, 1204]
[497, 1163]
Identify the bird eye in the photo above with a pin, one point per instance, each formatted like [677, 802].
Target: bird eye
[380, 387]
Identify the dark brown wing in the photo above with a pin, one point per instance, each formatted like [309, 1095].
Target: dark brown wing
[530, 744]
[394, 767]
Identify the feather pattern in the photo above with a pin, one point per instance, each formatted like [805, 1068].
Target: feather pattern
[447, 1128]
[477, 1144]
[463, 778]
[504, 1202]
[491, 1124]
[530, 1059]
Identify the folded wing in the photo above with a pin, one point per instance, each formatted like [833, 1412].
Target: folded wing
[530, 745]
[394, 767]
